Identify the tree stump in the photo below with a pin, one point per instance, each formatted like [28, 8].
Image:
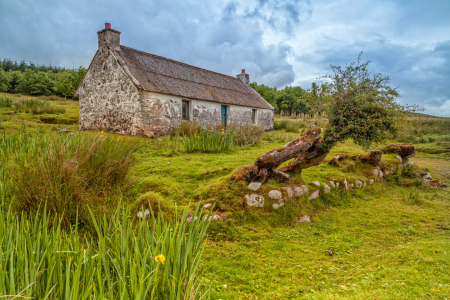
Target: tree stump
[373, 157]
[403, 149]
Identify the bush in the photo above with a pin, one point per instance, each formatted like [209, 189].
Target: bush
[41, 260]
[67, 172]
[209, 141]
[247, 135]
[280, 125]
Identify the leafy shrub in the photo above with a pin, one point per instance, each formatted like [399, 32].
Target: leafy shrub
[67, 172]
[280, 125]
[41, 260]
[247, 135]
[186, 128]
[209, 141]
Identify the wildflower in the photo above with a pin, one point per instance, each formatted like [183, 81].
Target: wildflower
[102, 132]
[160, 259]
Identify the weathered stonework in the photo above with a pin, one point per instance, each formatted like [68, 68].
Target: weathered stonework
[108, 98]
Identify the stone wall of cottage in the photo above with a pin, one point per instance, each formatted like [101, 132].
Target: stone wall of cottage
[159, 113]
[108, 98]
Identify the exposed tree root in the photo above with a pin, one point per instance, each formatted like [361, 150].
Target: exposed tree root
[403, 149]
[372, 157]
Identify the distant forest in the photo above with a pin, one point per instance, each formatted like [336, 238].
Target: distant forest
[32, 79]
[293, 100]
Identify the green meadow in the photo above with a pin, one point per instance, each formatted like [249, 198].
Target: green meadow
[70, 201]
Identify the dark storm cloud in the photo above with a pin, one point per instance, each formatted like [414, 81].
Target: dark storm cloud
[278, 42]
[212, 36]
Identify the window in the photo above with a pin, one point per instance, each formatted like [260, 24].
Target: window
[185, 110]
[253, 116]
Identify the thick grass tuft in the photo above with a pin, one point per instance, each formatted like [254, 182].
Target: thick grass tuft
[66, 172]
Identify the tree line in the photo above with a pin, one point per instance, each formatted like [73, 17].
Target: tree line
[32, 79]
[294, 100]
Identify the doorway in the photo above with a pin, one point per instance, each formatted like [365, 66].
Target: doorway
[224, 113]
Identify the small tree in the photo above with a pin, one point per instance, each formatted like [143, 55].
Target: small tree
[363, 106]
[360, 106]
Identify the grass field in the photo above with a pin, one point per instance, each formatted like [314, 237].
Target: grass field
[385, 239]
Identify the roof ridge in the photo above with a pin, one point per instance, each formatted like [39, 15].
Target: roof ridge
[179, 62]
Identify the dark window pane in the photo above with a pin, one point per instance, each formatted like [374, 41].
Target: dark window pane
[184, 110]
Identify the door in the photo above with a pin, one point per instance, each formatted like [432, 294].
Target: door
[224, 115]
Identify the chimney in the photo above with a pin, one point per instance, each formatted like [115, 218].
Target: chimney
[108, 37]
[244, 77]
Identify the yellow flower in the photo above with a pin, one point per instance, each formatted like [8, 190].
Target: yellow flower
[102, 132]
[160, 259]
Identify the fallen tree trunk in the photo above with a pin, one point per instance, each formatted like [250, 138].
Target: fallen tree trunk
[305, 146]
[312, 157]
[404, 150]
[372, 157]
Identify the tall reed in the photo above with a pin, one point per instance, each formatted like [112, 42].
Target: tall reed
[209, 141]
[41, 260]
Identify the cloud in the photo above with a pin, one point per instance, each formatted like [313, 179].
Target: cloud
[278, 42]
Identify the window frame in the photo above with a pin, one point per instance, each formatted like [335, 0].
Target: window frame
[254, 110]
[188, 110]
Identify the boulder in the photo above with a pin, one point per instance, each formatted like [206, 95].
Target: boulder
[254, 185]
[371, 181]
[314, 195]
[298, 191]
[316, 183]
[351, 185]
[332, 183]
[276, 206]
[380, 174]
[275, 195]
[346, 183]
[255, 200]
[400, 158]
[375, 172]
[289, 192]
[358, 183]
[304, 219]
[305, 189]
[326, 188]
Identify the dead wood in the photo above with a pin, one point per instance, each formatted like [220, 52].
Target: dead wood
[372, 157]
[304, 147]
[403, 149]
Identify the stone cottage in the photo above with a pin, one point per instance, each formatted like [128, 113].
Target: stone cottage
[134, 92]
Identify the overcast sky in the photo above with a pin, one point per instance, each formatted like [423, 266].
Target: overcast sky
[278, 42]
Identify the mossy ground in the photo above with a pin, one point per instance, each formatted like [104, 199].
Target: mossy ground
[385, 240]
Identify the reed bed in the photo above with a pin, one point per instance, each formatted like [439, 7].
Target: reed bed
[124, 260]
[209, 141]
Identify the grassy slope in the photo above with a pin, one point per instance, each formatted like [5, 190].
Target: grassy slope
[384, 237]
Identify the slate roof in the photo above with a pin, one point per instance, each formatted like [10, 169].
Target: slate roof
[154, 73]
